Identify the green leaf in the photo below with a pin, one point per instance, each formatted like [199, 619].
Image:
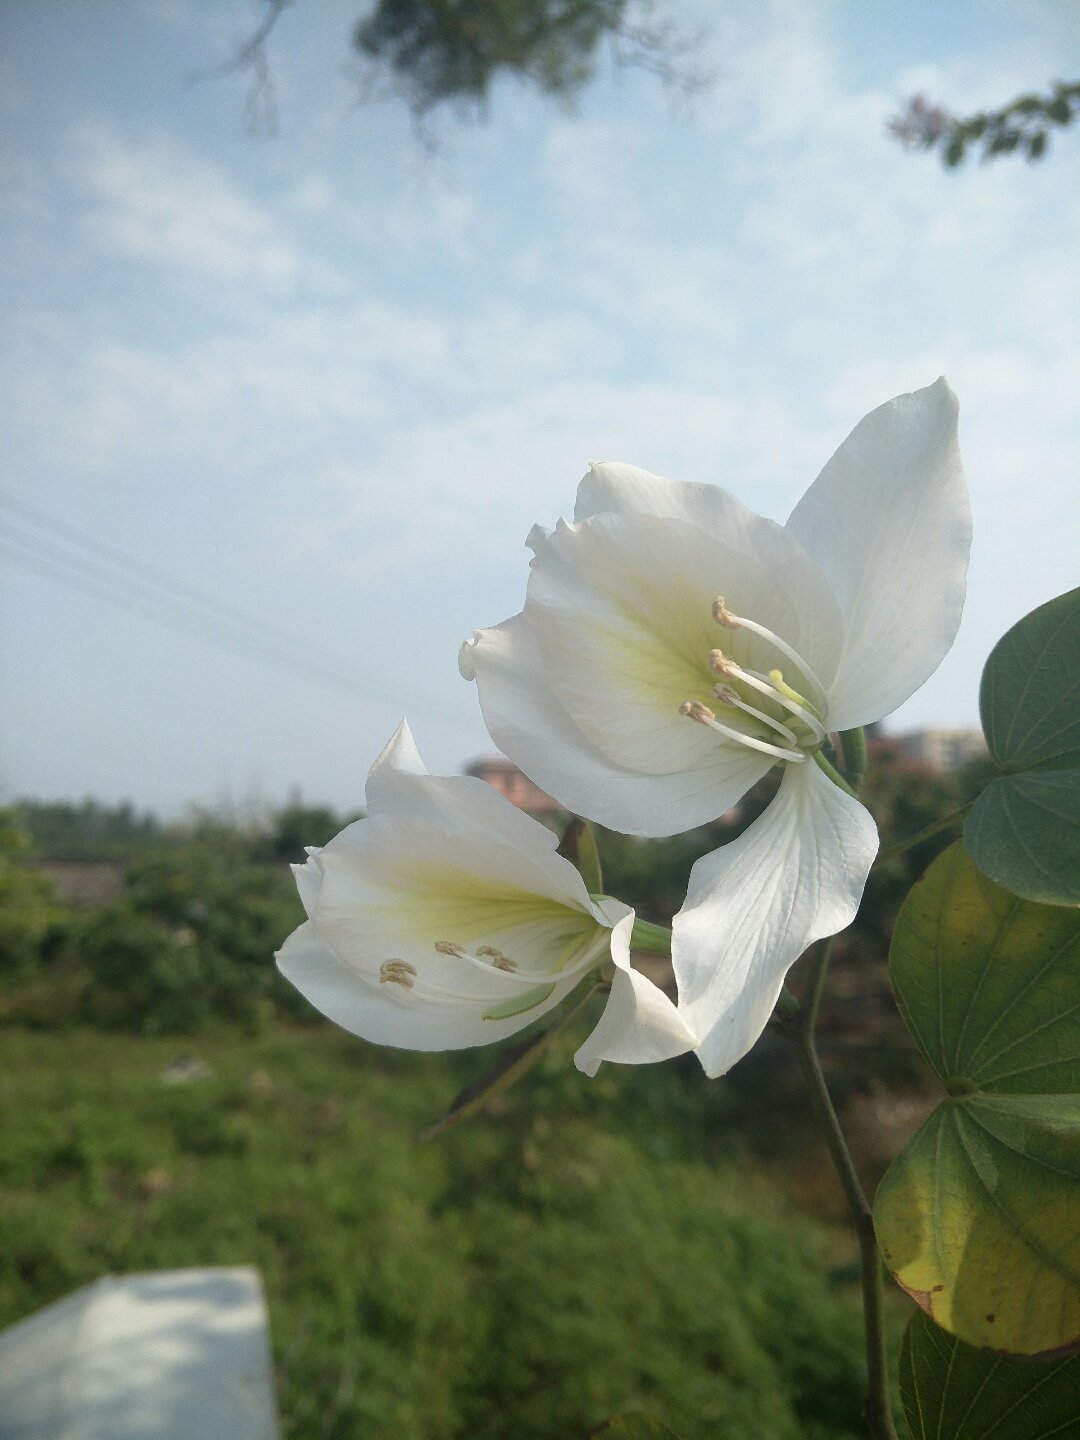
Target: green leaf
[632, 1427]
[977, 1218]
[987, 983]
[1030, 688]
[952, 1391]
[1024, 830]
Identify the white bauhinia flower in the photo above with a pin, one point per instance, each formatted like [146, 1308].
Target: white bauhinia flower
[674, 647]
[446, 919]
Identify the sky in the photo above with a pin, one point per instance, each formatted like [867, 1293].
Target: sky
[329, 378]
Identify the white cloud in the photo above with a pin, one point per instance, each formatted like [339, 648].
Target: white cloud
[158, 203]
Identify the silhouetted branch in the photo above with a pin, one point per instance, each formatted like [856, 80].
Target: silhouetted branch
[1023, 126]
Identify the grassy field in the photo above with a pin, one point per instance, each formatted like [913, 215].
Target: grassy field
[591, 1246]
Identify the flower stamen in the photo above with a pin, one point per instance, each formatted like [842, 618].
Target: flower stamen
[497, 958]
[723, 616]
[397, 972]
[694, 710]
[729, 697]
[773, 685]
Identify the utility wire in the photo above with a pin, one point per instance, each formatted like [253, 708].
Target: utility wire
[188, 594]
[183, 608]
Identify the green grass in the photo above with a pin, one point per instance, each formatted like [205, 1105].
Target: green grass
[583, 1250]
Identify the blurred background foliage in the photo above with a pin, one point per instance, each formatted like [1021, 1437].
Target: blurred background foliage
[644, 1239]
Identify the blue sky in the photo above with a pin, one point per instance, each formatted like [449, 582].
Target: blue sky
[333, 379]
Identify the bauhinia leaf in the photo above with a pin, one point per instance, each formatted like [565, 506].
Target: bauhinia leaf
[977, 1218]
[952, 1391]
[1024, 830]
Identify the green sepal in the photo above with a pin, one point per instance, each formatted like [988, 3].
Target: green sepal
[511, 1065]
[647, 936]
[578, 845]
[518, 1004]
[855, 755]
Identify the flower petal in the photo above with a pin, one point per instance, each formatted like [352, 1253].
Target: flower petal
[639, 1024]
[389, 1014]
[622, 608]
[395, 887]
[753, 906]
[462, 805]
[529, 725]
[888, 522]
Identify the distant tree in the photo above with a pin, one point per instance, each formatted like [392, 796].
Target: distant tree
[296, 826]
[30, 914]
[438, 52]
[1020, 128]
[88, 830]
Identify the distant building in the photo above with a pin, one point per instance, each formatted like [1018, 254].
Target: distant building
[943, 749]
[509, 781]
[83, 884]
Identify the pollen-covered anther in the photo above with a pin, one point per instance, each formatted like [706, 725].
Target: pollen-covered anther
[397, 972]
[447, 947]
[722, 664]
[696, 711]
[498, 960]
[726, 694]
[723, 616]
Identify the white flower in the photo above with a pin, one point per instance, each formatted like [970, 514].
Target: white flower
[446, 919]
[674, 647]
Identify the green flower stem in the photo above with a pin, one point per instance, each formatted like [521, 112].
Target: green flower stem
[801, 1026]
[855, 755]
[654, 938]
[925, 834]
[832, 772]
[878, 1411]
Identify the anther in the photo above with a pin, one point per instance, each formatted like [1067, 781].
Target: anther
[696, 711]
[498, 960]
[397, 972]
[723, 616]
[704, 716]
[722, 664]
[446, 947]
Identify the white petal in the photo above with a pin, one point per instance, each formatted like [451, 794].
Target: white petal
[770, 549]
[529, 725]
[395, 887]
[622, 608]
[753, 906]
[462, 805]
[888, 522]
[640, 1024]
[389, 1014]
[308, 879]
[388, 788]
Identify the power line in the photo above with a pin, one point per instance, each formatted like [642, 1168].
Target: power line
[187, 594]
[170, 602]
